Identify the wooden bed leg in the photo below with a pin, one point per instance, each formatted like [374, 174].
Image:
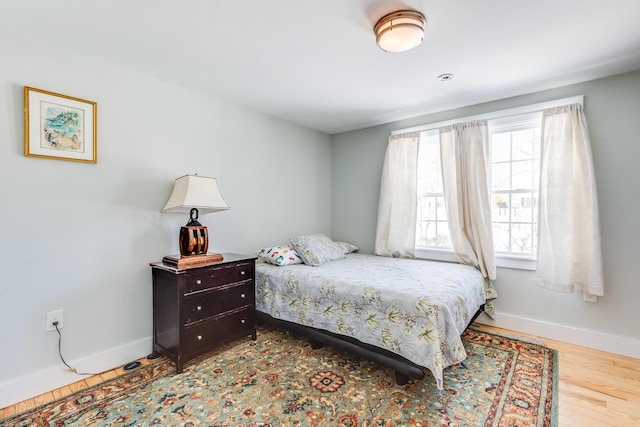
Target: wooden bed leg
[315, 344]
[401, 379]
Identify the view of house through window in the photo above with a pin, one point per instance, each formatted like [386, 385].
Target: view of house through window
[432, 228]
[514, 152]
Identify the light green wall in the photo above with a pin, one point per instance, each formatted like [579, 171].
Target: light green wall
[612, 108]
[79, 237]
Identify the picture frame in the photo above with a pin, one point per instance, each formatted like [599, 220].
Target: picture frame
[59, 126]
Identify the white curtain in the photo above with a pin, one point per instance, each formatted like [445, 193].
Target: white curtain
[463, 150]
[397, 209]
[569, 253]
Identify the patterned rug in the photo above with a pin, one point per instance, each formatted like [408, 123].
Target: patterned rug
[279, 380]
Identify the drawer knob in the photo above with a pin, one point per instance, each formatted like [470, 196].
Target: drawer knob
[199, 337]
[199, 308]
[242, 295]
[242, 321]
[242, 273]
[198, 282]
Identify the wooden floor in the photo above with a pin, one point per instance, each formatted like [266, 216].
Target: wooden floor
[595, 388]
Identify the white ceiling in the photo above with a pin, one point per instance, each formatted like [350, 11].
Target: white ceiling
[316, 63]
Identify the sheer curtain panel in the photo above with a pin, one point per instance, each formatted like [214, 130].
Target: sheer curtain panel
[397, 208]
[464, 175]
[569, 253]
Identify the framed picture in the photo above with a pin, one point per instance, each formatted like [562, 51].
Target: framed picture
[59, 126]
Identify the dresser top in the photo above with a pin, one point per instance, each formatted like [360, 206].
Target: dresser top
[227, 258]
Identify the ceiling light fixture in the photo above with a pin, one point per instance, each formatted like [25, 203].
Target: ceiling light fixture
[400, 31]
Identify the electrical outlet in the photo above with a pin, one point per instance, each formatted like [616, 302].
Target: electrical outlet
[54, 316]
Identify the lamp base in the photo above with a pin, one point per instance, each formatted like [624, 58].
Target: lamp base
[183, 262]
[193, 239]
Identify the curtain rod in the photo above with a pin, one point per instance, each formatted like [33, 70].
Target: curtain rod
[533, 108]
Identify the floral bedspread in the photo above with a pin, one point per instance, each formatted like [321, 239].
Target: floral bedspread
[417, 309]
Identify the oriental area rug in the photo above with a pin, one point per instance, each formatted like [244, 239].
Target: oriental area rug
[279, 380]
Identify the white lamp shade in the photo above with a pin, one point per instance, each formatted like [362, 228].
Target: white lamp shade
[195, 191]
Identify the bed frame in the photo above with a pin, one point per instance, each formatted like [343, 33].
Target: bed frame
[404, 368]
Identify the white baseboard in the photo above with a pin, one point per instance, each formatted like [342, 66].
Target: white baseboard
[597, 340]
[28, 386]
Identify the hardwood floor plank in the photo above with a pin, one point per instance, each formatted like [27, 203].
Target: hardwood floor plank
[42, 399]
[7, 412]
[60, 393]
[110, 374]
[581, 395]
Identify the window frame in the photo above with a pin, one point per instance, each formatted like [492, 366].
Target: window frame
[513, 123]
[506, 260]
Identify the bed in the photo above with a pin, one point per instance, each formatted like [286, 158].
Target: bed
[405, 314]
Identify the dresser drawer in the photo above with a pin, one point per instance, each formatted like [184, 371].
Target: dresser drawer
[202, 305]
[200, 280]
[201, 336]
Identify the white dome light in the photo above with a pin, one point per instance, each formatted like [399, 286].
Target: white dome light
[400, 31]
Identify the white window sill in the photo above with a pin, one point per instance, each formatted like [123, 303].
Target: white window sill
[519, 263]
[514, 262]
[436, 254]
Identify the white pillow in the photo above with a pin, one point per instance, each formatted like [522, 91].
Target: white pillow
[316, 249]
[280, 255]
[346, 248]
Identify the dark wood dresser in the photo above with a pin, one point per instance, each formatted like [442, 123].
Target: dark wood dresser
[197, 309]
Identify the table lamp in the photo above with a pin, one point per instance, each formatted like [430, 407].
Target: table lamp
[195, 194]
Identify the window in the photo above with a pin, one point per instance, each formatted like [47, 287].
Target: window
[514, 172]
[432, 228]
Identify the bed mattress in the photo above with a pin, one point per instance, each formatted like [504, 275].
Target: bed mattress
[414, 308]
